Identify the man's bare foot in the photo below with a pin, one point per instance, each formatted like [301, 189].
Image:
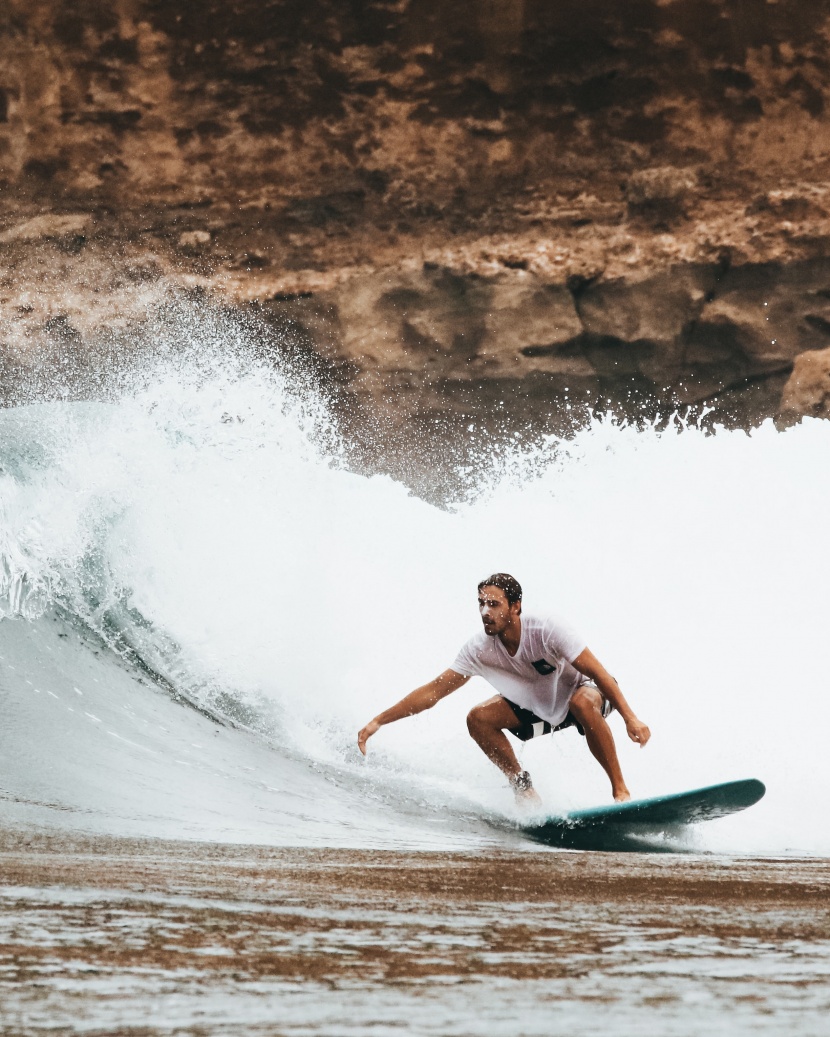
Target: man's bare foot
[622, 796]
[527, 798]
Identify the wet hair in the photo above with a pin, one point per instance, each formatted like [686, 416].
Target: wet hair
[511, 586]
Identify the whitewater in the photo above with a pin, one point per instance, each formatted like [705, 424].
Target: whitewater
[202, 603]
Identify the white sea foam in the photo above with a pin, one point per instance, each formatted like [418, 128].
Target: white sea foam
[206, 520]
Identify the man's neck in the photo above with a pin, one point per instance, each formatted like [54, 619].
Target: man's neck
[512, 636]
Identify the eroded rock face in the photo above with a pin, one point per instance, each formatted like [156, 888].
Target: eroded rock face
[694, 336]
[505, 212]
[341, 113]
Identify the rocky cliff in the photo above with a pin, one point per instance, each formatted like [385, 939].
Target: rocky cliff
[501, 213]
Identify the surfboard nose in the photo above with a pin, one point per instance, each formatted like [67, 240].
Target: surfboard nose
[748, 791]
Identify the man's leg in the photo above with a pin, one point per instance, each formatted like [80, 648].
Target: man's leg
[487, 723]
[586, 706]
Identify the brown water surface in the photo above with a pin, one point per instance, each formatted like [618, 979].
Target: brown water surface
[104, 936]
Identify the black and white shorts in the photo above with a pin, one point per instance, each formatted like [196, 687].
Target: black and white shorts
[531, 726]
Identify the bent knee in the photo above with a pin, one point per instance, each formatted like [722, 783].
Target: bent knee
[484, 718]
[586, 702]
[475, 719]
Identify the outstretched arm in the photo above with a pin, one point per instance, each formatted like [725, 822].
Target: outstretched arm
[586, 662]
[416, 701]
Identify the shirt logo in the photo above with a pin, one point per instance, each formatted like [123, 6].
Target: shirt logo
[543, 666]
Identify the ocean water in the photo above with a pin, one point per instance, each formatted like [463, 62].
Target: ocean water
[201, 604]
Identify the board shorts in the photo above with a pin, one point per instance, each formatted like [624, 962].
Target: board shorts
[531, 726]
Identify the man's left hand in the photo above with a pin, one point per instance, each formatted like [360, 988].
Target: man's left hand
[637, 731]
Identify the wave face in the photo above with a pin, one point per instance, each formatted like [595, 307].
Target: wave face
[198, 538]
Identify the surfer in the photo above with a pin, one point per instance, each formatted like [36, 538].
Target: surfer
[547, 680]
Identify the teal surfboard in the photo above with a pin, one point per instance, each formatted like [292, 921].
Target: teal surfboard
[631, 825]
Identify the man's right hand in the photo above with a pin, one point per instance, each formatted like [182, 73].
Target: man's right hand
[365, 734]
[415, 702]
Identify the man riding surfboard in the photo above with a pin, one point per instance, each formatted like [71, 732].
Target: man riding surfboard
[547, 679]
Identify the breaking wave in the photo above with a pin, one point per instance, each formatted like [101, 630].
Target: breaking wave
[201, 529]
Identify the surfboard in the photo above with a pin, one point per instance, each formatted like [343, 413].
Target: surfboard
[630, 826]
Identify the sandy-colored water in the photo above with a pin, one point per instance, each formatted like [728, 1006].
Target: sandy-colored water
[102, 936]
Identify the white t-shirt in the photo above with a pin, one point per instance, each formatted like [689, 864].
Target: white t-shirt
[539, 676]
